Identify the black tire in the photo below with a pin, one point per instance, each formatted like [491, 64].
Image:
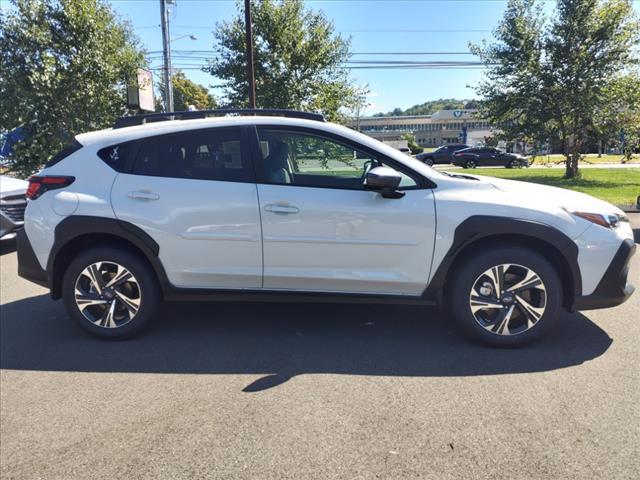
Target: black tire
[470, 164]
[515, 164]
[145, 287]
[468, 273]
[428, 161]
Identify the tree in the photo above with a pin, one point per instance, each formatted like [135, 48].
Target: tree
[63, 70]
[427, 108]
[298, 60]
[412, 144]
[186, 92]
[618, 121]
[547, 79]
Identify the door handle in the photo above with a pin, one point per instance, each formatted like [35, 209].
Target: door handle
[143, 195]
[282, 209]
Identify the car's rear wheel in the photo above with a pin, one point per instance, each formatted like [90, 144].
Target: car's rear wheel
[110, 293]
[429, 161]
[506, 297]
[470, 164]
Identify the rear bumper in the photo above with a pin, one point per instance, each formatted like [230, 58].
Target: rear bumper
[613, 288]
[28, 266]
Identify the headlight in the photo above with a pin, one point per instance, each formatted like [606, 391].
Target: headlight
[609, 220]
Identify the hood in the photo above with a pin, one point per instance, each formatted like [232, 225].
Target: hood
[10, 184]
[544, 195]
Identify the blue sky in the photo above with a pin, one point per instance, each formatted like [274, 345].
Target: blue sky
[373, 25]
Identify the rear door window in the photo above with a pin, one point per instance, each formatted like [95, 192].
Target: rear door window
[214, 154]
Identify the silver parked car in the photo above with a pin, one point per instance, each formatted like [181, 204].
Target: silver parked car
[13, 201]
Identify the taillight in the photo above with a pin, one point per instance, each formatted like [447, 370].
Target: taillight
[39, 185]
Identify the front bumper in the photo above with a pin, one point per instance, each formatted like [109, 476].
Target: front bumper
[613, 288]
[8, 225]
[11, 213]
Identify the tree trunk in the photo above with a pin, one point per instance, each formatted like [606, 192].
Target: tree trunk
[600, 148]
[573, 157]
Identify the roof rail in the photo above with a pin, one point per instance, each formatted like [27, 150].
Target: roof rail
[188, 115]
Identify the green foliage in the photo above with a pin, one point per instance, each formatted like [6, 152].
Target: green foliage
[619, 117]
[186, 92]
[491, 141]
[297, 58]
[619, 186]
[411, 143]
[427, 108]
[63, 71]
[547, 79]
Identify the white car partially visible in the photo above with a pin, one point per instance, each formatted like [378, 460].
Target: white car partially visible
[13, 201]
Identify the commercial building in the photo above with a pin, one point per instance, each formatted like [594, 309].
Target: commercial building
[440, 128]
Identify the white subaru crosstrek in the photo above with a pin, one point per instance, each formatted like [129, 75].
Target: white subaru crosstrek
[280, 205]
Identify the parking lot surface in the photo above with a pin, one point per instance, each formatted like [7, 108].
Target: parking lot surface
[248, 390]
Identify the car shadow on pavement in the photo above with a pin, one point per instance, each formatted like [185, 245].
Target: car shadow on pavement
[281, 340]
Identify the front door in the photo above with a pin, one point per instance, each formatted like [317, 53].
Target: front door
[323, 232]
[194, 194]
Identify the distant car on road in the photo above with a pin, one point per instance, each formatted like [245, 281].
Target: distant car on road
[443, 154]
[488, 157]
[13, 201]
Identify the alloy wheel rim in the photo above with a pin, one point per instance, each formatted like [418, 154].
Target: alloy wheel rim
[508, 299]
[107, 294]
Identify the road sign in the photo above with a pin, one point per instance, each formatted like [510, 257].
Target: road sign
[140, 95]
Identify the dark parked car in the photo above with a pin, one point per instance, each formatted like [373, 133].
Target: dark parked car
[488, 157]
[443, 154]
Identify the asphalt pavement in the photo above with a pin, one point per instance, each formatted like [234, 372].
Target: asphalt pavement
[300, 391]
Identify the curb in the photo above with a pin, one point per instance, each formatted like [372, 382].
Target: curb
[628, 208]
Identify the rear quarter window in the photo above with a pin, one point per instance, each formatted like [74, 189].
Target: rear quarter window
[116, 156]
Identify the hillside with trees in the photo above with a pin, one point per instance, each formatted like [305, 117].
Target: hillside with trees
[427, 108]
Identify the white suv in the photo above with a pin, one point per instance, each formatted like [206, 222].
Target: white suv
[280, 205]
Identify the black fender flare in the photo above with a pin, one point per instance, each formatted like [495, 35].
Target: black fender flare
[478, 227]
[79, 225]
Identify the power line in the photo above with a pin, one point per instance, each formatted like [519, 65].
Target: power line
[174, 52]
[351, 30]
[382, 66]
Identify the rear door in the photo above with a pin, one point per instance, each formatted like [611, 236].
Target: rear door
[441, 155]
[322, 231]
[194, 193]
[496, 157]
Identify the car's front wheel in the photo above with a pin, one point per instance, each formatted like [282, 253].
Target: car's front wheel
[110, 293]
[505, 297]
[428, 161]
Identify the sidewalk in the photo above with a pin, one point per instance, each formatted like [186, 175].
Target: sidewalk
[557, 165]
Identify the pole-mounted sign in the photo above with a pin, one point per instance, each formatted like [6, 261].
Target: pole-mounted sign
[140, 94]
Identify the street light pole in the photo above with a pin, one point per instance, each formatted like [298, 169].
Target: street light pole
[166, 53]
[249, 54]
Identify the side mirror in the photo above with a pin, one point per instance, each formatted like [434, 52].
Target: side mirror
[384, 180]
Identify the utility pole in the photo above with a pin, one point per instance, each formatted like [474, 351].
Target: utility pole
[166, 53]
[249, 54]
